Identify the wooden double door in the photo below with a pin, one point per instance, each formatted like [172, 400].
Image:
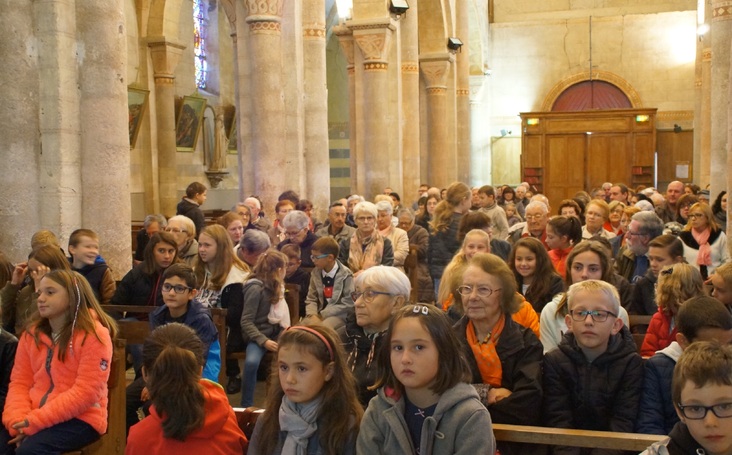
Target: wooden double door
[566, 152]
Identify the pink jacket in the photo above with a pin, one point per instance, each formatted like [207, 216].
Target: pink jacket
[74, 388]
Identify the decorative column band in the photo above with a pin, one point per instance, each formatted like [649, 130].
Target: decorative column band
[164, 80]
[462, 92]
[264, 27]
[313, 33]
[375, 66]
[410, 67]
[722, 12]
[436, 90]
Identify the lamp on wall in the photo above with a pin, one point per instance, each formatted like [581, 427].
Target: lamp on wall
[398, 7]
[454, 44]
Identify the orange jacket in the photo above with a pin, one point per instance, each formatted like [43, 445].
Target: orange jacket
[74, 388]
[526, 316]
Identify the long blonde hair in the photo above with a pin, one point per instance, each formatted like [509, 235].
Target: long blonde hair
[456, 193]
[220, 266]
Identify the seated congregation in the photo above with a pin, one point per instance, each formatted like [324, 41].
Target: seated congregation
[382, 329]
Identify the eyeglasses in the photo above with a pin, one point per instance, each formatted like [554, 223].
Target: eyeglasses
[699, 412]
[634, 234]
[696, 215]
[368, 295]
[534, 217]
[365, 219]
[482, 291]
[293, 234]
[320, 256]
[597, 315]
[175, 230]
[178, 288]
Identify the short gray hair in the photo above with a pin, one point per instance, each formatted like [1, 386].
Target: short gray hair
[187, 223]
[155, 218]
[385, 206]
[365, 206]
[255, 241]
[355, 197]
[539, 204]
[256, 202]
[406, 211]
[384, 278]
[650, 224]
[296, 219]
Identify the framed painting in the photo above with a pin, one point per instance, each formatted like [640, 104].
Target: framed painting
[136, 105]
[188, 123]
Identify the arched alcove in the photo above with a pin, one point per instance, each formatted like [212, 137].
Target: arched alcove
[597, 76]
[591, 95]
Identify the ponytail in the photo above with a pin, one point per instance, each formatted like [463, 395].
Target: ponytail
[173, 358]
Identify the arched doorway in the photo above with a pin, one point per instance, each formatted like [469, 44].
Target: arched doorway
[591, 95]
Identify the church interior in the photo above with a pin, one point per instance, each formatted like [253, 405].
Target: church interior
[115, 106]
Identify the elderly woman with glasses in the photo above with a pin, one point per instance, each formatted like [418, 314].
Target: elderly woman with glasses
[705, 244]
[366, 247]
[184, 231]
[504, 357]
[379, 292]
[297, 232]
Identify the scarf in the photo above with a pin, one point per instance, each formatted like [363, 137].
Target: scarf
[486, 356]
[279, 313]
[299, 421]
[365, 252]
[705, 251]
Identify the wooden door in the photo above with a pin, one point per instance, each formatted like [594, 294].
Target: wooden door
[608, 159]
[674, 149]
[565, 158]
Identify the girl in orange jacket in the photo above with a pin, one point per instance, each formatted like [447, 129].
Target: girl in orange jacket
[57, 399]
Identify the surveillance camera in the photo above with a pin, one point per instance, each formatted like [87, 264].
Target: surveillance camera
[398, 7]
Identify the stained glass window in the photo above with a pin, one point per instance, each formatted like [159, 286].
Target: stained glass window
[200, 28]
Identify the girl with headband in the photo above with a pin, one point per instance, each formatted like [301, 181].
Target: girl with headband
[312, 406]
[57, 399]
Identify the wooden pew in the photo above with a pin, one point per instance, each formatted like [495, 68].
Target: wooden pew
[638, 326]
[135, 332]
[574, 438]
[115, 439]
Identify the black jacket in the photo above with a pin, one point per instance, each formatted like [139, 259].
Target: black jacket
[8, 346]
[602, 395]
[306, 249]
[363, 353]
[192, 211]
[139, 288]
[643, 297]
[443, 246]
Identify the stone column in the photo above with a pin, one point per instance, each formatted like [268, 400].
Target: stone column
[441, 156]
[373, 37]
[317, 159]
[165, 55]
[20, 122]
[345, 38]
[411, 177]
[245, 156]
[721, 30]
[105, 149]
[59, 180]
[704, 117]
[270, 159]
[462, 92]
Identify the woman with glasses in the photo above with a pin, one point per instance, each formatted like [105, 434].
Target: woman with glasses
[705, 244]
[366, 247]
[298, 233]
[504, 357]
[184, 232]
[597, 213]
[613, 220]
[589, 260]
[379, 292]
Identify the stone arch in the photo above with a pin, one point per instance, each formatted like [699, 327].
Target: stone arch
[163, 18]
[434, 25]
[606, 76]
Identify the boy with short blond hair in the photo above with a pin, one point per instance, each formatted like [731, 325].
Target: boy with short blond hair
[85, 259]
[593, 380]
[702, 396]
[331, 285]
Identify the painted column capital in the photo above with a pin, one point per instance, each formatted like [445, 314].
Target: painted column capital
[165, 55]
[435, 69]
[345, 38]
[267, 11]
[373, 37]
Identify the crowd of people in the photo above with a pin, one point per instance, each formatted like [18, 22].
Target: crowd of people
[419, 326]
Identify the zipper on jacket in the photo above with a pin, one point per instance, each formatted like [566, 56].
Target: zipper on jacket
[49, 359]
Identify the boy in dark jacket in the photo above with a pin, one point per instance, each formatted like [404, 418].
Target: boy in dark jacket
[699, 319]
[190, 205]
[593, 380]
[702, 387]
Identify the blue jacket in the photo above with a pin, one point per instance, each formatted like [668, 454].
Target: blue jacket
[656, 414]
[199, 319]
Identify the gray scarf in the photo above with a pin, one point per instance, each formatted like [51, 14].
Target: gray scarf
[299, 422]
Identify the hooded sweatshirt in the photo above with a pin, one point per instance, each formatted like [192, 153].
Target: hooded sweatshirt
[656, 414]
[219, 435]
[679, 442]
[459, 425]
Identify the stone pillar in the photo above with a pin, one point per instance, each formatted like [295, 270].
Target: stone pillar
[721, 30]
[345, 38]
[270, 159]
[317, 159]
[462, 92]
[441, 156]
[60, 131]
[411, 177]
[105, 149]
[373, 37]
[165, 56]
[704, 117]
[481, 162]
[20, 122]
[245, 156]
